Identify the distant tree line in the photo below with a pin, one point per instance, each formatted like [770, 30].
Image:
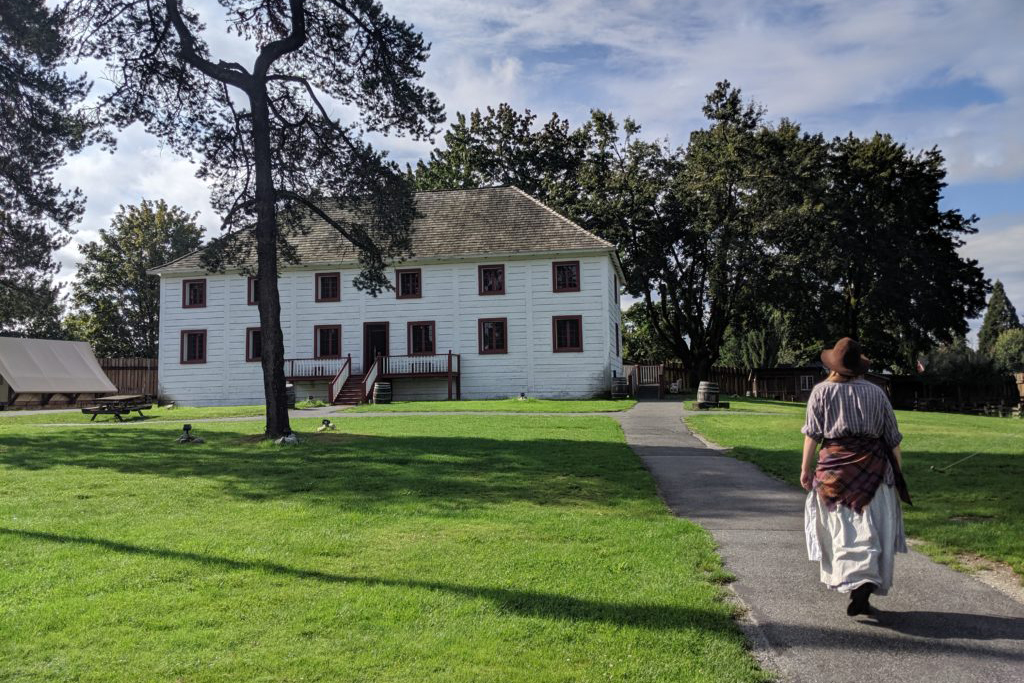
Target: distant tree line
[755, 242]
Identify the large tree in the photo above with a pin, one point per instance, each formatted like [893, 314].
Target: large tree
[117, 304]
[885, 261]
[42, 125]
[1000, 316]
[264, 134]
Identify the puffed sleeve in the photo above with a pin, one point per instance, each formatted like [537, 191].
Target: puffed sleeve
[814, 425]
[890, 430]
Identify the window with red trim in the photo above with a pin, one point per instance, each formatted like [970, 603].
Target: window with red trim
[253, 344]
[493, 335]
[408, 284]
[492, 279]
[253, 295]
[193, 293]
[421, 338]
[565, 276]
[328, 287]
[327, 341]
[567, 333]
[193, 346]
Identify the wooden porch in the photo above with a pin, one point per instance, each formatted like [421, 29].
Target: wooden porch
[347, 386]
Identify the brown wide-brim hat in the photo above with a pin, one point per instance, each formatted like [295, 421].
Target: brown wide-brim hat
[846, 358]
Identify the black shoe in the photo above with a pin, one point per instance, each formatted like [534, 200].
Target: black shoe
[859, 600]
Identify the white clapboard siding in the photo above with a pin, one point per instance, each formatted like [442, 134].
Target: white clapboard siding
[450, 298]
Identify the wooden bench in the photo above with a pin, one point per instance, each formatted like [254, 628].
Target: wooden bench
[118, 406]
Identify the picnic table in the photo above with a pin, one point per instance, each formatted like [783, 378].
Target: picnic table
[123, 404]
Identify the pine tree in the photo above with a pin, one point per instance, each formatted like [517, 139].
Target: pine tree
[1000, 317]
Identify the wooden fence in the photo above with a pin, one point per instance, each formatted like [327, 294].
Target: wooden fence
[732, 381]
[132, 375]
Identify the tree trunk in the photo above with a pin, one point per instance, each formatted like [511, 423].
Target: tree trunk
[272, 340]
[699, 370]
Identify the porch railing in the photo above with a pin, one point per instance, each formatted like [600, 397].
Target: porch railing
[339, 380]
[312, 368]
[437, 364]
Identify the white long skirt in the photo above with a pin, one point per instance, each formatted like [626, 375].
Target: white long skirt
[853, 549]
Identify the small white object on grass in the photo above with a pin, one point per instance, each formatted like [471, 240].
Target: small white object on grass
[287, 440]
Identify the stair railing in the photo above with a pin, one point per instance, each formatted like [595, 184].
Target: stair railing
[334, 388]
[370, 378]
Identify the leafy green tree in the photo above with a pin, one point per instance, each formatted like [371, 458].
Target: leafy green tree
[263, 133]
[1000, 316]
[884, 266]
[1008, 351]
[117, 305]
[42, 126]
[640, 344]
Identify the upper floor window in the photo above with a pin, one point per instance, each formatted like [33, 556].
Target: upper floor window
[493, 335]
[327, 341]
[566, 276]
[193, 293]
[328, 287]
[253, 297]
[253, 344]
[618, 341]
[421, 338]
[193, 346]
[492, 279]
[408, 285]
[567, 333]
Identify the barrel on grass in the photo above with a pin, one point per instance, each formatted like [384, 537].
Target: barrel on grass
[619, 387]
[382, 392]
[707, 394]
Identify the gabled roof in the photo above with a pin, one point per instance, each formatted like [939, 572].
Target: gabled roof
[50, 366]
[451, 223]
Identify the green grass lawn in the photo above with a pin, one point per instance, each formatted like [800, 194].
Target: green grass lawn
[976, 508]
[510, 405]
[468, 548]
[28, 417]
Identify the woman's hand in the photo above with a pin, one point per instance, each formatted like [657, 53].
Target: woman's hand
[807, 464]
[807, 479]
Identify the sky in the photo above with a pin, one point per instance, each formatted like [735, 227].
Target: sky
[943, 73]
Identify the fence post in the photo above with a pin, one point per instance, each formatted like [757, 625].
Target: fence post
[449, 374]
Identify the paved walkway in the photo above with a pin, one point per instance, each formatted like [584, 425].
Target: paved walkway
[937, 625]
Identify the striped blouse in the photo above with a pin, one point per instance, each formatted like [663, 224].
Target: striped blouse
[856, 407]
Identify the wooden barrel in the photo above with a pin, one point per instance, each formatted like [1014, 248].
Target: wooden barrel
[382, 392]
[620, 389]
[707, 392]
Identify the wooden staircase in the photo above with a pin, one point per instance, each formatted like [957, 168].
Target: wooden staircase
[351, 392]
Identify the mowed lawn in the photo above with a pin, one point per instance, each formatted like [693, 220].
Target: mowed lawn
[29, 417]
[510, 405]
[975, 508]
[442, 548]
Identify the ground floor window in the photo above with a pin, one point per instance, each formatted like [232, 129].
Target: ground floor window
[327, 341]
[421, 338]
[193, 346]
[493, 335]
[806, 382]
[567, 333]
[253, 344]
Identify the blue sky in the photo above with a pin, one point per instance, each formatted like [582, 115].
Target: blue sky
[943, 73]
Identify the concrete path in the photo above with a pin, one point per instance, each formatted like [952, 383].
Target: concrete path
[937, 625]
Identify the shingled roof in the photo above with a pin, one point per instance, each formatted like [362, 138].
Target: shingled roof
[452, 223]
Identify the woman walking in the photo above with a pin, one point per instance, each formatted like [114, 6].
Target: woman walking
[853, 521]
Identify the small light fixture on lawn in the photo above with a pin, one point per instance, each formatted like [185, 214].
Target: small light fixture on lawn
[187, 437]
[326, 425]
[522, 396]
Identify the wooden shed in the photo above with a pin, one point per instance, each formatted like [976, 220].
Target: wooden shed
[794, 383]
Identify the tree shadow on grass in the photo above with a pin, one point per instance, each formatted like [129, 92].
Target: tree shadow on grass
[357, 471]
[522, 602]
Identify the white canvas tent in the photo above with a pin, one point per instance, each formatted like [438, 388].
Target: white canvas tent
[47, 367]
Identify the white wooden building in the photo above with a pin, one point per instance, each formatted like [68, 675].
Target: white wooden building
[501, 296]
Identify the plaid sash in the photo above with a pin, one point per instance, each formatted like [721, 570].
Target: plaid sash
[850, 470]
